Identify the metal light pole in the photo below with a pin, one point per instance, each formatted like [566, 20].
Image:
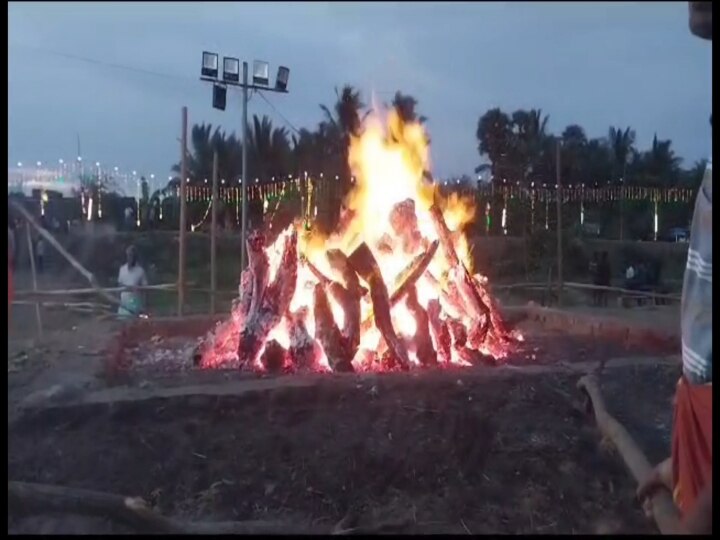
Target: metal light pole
[244, 226]
[231, 77]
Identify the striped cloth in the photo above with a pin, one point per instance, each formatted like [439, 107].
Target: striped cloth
[697, 290]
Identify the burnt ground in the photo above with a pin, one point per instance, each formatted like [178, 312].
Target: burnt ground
[458, 453]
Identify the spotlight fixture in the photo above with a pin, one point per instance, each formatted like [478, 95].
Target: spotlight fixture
[209, 65]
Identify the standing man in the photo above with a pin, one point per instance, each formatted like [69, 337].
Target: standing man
[132, 276]
[687, 473]
[40, 254]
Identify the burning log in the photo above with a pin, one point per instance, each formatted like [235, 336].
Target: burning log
[465, 283]
[328, 334]
[348, 298]
[496, 321]
[273, 359]
[404, 223]
[458, 333]
[274, 306]
[475, 358]
[322, 278]
[242, 308]
[440, 331]
[259, 266]
[423, 342]
[405, 280]
[478, 333]
[340, 263]
[350, 304]
[303, 350]
[281, 290]
[410, 274]
[365, 265]
[385, 244]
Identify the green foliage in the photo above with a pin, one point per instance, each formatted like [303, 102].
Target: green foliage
[519, 149]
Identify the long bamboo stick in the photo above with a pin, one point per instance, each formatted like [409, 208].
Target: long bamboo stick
[31, 252]
[69, 258]
[81, 292]
[183, 214]
[664, 511]
[213, 233]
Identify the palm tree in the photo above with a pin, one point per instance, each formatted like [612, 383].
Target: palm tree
[574, 144]
[405, 105]
[621, 147]
[494, 135]
[203, 143]
[268, 150]
[346, 118]
[530, 142]
[660, 165]
[335, 131]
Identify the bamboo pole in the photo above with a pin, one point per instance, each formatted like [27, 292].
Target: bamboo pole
[558, 179]
[183, 213]
[213, 232]
[81, 292]
[31, 253]
[73, 262]
[664, 511]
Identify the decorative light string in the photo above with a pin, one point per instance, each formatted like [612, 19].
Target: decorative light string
[207, 210]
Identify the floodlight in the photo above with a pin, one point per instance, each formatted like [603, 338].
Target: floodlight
[231, 69]
[219, 97]
[209, 65]
[281, 82]
[261, 73]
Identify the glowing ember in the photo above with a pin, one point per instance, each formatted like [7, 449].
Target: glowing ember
[390, 289]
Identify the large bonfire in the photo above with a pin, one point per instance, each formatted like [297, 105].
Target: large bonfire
[389, 289]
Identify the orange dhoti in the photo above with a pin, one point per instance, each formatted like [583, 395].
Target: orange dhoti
[691, 443]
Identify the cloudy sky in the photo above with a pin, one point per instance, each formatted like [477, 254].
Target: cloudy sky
[118, 74]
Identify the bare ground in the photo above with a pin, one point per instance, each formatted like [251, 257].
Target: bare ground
[495, 455]
[458, 453]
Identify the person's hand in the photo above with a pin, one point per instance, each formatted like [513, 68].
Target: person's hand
[659, 477]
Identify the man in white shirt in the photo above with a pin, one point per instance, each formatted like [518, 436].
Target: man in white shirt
[131, 276]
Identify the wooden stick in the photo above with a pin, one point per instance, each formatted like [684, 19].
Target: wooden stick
[28, 498]
[665, 512]
[213, 232]
[620, 290]
[31, 252]
[75, 264]
[183, 213]
[363, 262]
[134, 512]
[83, 292]
[406, 279]
[558, 195]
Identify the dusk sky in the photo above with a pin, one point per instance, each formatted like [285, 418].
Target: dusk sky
[595, 64]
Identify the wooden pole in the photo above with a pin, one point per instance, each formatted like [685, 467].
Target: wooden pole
[213, 232]
[558, 181]
[664, 511]
[183, 213]
[31, 253]
[75, 264]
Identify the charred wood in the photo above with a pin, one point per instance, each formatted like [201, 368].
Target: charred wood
[365, 265]
[328, 334]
